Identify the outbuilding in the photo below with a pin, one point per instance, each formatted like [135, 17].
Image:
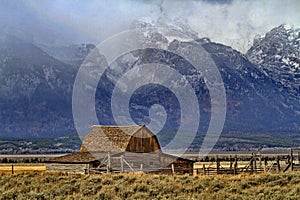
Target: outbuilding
[120, 149]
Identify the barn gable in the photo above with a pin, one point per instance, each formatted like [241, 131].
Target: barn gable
[143, 141]
[116, 139]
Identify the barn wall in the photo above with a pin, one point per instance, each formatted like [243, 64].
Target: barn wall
[74, 168]
[180, 165]
[150, 161]
[143, 141]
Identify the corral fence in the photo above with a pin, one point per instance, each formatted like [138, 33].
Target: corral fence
[120, 164]
[256, 163]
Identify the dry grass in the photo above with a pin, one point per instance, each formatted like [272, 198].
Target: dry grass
[19, 168]
[146, 186]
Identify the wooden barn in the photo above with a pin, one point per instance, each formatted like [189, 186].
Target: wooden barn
[120, 149]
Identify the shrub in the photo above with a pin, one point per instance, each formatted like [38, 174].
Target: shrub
[147, 186]
[103, 196]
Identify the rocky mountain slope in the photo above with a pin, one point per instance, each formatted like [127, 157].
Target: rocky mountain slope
[73, 54]
[277, 54]
[254, 102]
[262, 87]
[35, 91]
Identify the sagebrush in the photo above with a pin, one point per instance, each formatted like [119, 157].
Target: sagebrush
[148, 186]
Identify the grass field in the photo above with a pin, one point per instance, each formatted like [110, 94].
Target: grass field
[38, 185]
[22, 167]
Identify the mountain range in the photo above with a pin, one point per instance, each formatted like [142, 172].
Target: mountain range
[262, 86]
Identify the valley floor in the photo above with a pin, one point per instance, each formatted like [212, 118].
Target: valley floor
[146, 186]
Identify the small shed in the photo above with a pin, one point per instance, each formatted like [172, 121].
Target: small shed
[120, 149]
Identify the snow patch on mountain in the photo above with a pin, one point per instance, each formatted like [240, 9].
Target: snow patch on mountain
[277, 54]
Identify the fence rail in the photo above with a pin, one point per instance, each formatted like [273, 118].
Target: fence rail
[257, 163]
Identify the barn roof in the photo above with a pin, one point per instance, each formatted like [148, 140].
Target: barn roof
[112, 139]
[77, 157]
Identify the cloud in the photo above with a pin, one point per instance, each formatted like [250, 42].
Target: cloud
[237, 23]
[232, 22]
[218, 1]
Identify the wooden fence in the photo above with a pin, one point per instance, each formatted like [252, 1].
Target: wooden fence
[119, 164]
[256, 163]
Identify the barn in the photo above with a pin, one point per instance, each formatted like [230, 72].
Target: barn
[120, 149]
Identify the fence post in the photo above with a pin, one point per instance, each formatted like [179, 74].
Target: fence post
[141, 167]
[278, 164]
[260, 163]
[251, 164]
[87, 169]
[230, 162]
[12, 168]
[122, 164]
[265, 165]
[203, 169]
[292, 160]
[255, 164]
[108, 162]
[172, 167]
[218, 164]
[235, 166]
[195, 172]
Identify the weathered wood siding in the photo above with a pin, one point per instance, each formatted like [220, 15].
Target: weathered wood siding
[181, 165]
[149, 161]
[143, 141]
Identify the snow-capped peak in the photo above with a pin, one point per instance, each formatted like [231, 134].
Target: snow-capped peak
[171, 29]
[278, 55]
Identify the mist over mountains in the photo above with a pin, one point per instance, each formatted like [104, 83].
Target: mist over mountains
[262, 86]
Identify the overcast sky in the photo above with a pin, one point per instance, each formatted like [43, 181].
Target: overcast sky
[232, 22]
